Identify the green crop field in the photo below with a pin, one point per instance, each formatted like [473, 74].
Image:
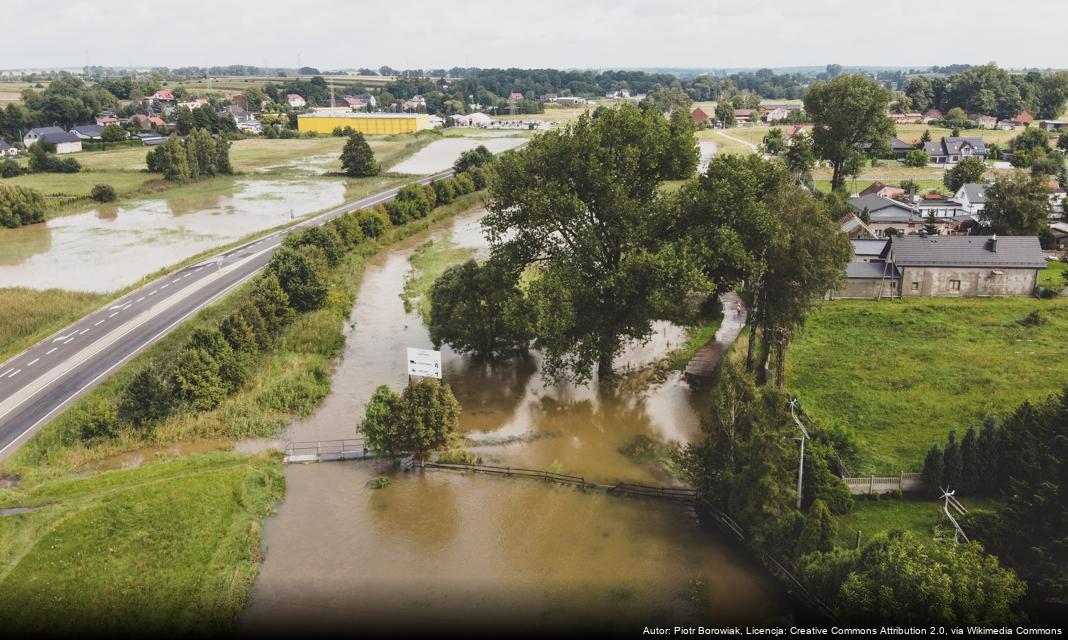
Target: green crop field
[900, 374]
[169, 546]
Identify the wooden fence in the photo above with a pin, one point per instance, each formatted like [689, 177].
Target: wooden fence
[869, 485]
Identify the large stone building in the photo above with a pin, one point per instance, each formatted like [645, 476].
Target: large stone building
[951, 266]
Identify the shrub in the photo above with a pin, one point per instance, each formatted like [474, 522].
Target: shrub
[148, 397]
[20, 205]
[373, 223]
[464, 184]
[302, 276]
[10, 169]
[98, 419]
[445, 191]
[103, 193]
[324, 237]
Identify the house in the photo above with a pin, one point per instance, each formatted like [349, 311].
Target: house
[163, 95]
[548, 97]
[64, 142]
[939, 207]
[106, 119]
[983, 121]
[195, 103]
[1053, 125]
[931, 115]
[361, 101]
[952, 149]
[150, 138]
[148, 122]
[1059, 231]
[515, 95]
[906, 118]
[296, 101]
[88, 131]
[794, 130]
[854, 228]
[744, 115]
[774, 114]
[471, 120]
[880, 214]
[700, 118]
[619, 94]
[899, 146]
[883, 190]
[867, 274]
[867, 250]
[7, 151]
[972, 197]
[967, 265]
[1023, 119]
[574, 100]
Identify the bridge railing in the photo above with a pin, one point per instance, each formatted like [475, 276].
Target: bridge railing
[320, 450]
[537, 474]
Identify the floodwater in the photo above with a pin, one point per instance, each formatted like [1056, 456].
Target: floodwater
[111, 247]
[441, 154]
[707, 149]
[453, 552]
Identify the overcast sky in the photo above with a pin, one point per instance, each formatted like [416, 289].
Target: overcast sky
[333, 34]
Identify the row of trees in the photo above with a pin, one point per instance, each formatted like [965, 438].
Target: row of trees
[991, 91]
[192, 158]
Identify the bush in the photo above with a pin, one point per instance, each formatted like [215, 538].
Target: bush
[446, 191]
[302, 276]
[146, 399]
[917, 158]
[20, 205]
[477, 157]
[98, 419]
[103, 193]
[10, 169]
[324, 237]
[464, 184]
[419, 420]
[373, 223]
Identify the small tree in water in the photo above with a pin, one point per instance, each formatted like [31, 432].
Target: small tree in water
[417, 421]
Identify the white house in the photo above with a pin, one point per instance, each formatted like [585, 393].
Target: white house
[63, 141]
[7, 151]
[471, 120]
[972, 197]
[296, 101]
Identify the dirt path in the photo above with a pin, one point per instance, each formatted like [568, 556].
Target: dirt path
[705, 362]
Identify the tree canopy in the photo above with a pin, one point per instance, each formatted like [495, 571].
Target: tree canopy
[418, 420]
[357, 158]
[1017, 204]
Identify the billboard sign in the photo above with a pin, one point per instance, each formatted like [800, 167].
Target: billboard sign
[425, 363]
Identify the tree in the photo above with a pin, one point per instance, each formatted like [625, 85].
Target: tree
[171, 160]
[1033, 141]
[97, 419]
[357, 158]
[113, 133]
[103, 193]
[847, 111]
[197, 380]
[818, 532]
[953, 464]
[920, 92]
[955, 118]
[966, 171]
[933, 469]
[774, 144]
[146, 399]
[917, 158]
[479, 308]
[419, 420]
[800, 158]
[20, 205]
[583, 203]
[1017, 204]
[725, 114]
[899, 579]
[301, 273]
[989, 445]
[477, 157]
[930, 227]
[924, 138]
[681, 153]
[272, 301]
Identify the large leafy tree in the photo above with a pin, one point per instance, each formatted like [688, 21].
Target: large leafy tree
[965, 171]
[1017, 204]
[301, 273]
[581, 209]
[900, 579]
[357, 158]
[847, 111]
[418, 420]
[479, 308]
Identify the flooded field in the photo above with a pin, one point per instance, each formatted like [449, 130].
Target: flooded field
[440, 154]
[440, 550]
[707, 149]
[111, 247]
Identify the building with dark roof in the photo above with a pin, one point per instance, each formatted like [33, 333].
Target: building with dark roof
[950, 266]
[953, 149]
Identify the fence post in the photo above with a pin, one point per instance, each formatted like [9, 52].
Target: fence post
[871, 485]
[319, 450]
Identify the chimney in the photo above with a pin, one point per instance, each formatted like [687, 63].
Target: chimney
[994, 243]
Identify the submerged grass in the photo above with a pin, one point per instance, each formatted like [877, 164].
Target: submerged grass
[899, 375]
[28, 315]
[428, 263]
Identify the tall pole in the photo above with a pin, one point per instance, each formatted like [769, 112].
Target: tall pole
[801, 464]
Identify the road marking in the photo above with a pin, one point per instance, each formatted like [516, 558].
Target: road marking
[6, 372]
[17, 371]
[58, 338]
[165, 286]
[98, 323]
[141, 298]
[32, 362]
[114, 314]
[50, 351]
[69, 340]
[83, 332]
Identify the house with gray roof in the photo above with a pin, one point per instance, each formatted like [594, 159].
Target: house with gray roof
[7, 151]
[63, 141]
[88, 131]
[952, 149]
[951, 266]
[972, 197]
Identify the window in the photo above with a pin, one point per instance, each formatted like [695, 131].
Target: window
[915, 286]
[954, 285]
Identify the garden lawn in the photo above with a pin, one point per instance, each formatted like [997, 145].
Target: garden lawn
[913, 512]
[901, 374]
[1053, 275]
[171, 547]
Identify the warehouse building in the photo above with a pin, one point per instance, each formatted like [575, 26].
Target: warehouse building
[369, 123]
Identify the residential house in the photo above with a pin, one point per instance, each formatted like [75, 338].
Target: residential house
[880, 214]
[794, 130]
[897, 146]
[774, 113]
[744, 115]
[163, 95]
[148, 122]
[296, 101]
[548, 97]
[867, 274]
[619, 94]
[515, 95]
[983, 121]
[195, 103]
[700, 118]
[867, 249]
[952, 149]
[906, 118]
[361, 101]
[967, 265]
[1023, 119]
[88, 131]
[1059, 230]
[150, 138]
[939, 207]
[63, 141]
[854, 228]
[104, 119]
[7, 151]
[972, 197]
[882, 190]
[415, 103]
[931, 115]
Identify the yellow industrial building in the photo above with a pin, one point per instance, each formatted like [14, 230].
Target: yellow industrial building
[370, 123]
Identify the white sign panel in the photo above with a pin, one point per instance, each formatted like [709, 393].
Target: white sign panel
[425, 363]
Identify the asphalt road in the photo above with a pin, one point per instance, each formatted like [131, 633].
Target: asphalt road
[40, 382]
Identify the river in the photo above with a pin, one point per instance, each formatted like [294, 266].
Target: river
[450, 552]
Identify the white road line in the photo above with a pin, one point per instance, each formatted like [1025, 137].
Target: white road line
[152, 293]
[6, 372]
[32, 362]
[83, 332]
[16, 372]
[114, 314]
[165, 286]
[98, 323]
[141, 298]
[50, 351]
[69, 340]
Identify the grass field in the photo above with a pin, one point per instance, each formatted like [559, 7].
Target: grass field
[1053, 275]
[899, 375]
[428, 263]
[28, 315]
[169, 547]
[724, 144]
[912, 512]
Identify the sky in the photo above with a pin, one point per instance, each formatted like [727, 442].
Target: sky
[336, 34]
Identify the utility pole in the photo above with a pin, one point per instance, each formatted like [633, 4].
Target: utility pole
[804, 436]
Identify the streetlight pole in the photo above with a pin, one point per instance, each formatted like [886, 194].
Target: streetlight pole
[801, 463]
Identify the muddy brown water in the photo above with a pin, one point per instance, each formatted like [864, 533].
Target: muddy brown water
[445, 551]
[110, 247]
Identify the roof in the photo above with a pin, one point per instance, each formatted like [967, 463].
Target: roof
[58, 137]
[40, 131]
[1024, 117]
[975, 192]
[699, 115]
[874, 203]
[163, 94]
[1023, 252]
[88, 129]
[292, 96]
[864, 247]
[877, 186]
[363, 116]
[871, 270]
[4, 146]
[897, 144]
[951, 146]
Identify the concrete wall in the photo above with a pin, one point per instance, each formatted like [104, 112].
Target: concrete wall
[937, 281]
[864, 288]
